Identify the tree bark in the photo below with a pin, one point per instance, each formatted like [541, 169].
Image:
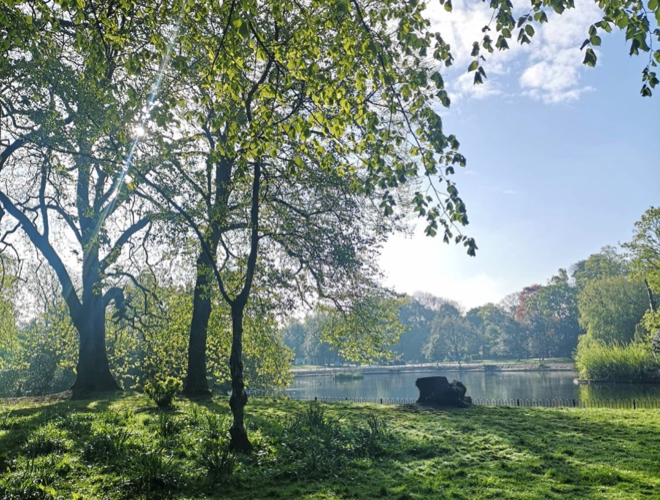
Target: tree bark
[239, 439]
[649, 292]
[196, 383]
[93, 370]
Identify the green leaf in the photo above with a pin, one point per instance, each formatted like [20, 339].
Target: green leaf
[473, 66]
[590, 58]
[595, 41]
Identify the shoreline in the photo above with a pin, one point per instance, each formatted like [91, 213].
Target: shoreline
[472, 367]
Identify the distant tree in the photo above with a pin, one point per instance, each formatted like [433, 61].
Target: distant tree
[293, 335]
[417, 318]
[611, 308]
[644, 248]
[365, 331]
[453, 338]
[501, 332]
[552, 315]
[605, 264]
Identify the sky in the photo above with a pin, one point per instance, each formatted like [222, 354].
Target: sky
[562, 159]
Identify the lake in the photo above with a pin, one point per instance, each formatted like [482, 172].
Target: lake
[480, 385]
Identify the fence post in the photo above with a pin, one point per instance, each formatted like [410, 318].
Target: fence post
[634, 405]
[316, 398]
[381, 400]
[517, 402]
[573, 402]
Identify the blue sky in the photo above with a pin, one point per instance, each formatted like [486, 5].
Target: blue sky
[562, 160]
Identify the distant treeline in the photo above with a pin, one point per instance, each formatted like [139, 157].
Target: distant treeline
[599, 301]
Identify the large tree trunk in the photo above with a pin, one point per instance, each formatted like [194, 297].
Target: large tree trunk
[239, 439]
[196, 383]
[93, 369]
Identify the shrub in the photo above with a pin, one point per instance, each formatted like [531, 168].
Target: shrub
[214, 456]
[169, 426]
[162, 392]
[370, 440]
[152, 470]
[597, 360]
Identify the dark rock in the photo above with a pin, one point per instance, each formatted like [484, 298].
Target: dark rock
[437, 391]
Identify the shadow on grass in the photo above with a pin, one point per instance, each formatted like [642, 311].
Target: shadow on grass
[542, 453]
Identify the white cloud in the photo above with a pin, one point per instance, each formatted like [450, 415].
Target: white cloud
[464, 86]
[428, 265]
[549, 69]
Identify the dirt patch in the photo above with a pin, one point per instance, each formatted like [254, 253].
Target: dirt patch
[48, 398]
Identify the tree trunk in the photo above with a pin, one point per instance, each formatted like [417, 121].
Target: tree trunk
[649, 292]
[239, 439]
[196, 383]
[93, 370]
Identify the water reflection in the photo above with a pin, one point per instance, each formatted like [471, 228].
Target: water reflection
[480, 385]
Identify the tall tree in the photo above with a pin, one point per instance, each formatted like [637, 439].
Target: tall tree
[305, 106]
[76, 94]
[611, 308]
[644, 249]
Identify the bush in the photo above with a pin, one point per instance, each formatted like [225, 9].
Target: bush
[596, 360]
[152, 470]
[162, 392]
[214, 456]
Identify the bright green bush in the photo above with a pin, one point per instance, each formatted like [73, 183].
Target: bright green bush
[162, 391]
[596, 360]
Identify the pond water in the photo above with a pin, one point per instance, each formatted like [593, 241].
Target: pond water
[480, 385]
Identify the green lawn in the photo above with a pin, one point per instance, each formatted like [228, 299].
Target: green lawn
[124, 448]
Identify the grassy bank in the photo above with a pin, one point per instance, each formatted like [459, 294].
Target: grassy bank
[124, 448]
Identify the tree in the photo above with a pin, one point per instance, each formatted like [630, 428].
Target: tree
[605, 264]
[364, 333]
[417, 318]
[342, 136]
[452, 337]
[76, 76]
[552, 316]
[611, 308]
[644, 249]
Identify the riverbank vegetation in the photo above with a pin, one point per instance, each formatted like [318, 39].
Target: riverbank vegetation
[124, 448]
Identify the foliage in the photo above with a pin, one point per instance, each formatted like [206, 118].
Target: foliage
[616, 362]
[452, 338]
[551, 316]
[644, 249]
[216, 458]
[605, 264]
[162, 391]
[44, 355]
[364, 333]
[611, 308]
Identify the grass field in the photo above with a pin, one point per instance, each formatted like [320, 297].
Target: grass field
[123, 447]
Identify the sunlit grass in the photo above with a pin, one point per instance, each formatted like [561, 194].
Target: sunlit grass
[124, 447]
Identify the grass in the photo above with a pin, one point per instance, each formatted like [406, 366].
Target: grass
[123, 447]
